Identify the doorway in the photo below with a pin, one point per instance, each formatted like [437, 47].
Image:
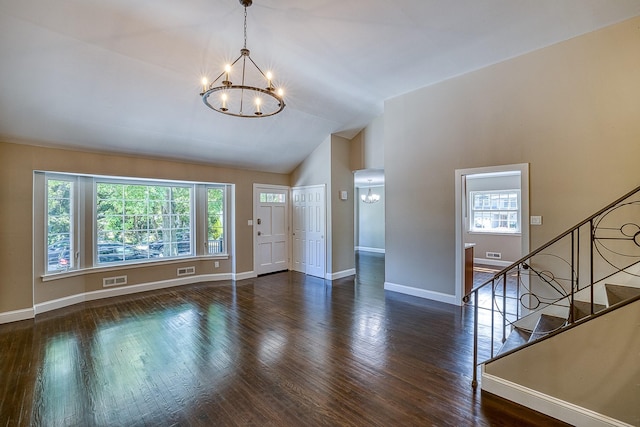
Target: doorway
[271, 228]
[505, 187]
[369, 211]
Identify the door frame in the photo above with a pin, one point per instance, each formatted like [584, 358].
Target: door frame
[255, 216]
[461, 206]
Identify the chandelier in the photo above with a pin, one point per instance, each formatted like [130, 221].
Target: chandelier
[370, 197]
[255, 95]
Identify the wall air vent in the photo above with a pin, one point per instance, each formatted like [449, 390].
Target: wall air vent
[494, 255]
[185, 271]
[114, 281]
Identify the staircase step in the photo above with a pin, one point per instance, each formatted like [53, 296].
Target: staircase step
[545, 325]
[583, 309]
[516, 338]
[619, 293]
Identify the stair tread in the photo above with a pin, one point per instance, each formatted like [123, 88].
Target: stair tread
[583, 309]
[546, 324]
[516, 338]
[619, 293]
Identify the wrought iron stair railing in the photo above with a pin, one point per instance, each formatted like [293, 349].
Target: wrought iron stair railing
[564, 282]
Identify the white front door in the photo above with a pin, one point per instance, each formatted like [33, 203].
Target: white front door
[309, 250]
[271, 224]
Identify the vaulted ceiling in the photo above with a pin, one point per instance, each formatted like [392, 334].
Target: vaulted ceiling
[124, 76]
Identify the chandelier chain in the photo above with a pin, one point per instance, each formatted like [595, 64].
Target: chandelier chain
[245, 27]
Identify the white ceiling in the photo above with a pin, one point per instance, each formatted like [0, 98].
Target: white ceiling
[124, 76]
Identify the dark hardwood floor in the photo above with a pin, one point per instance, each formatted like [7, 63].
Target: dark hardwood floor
[279, 350]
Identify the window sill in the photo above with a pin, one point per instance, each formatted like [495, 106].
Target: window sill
[490, 233]
[48, 277]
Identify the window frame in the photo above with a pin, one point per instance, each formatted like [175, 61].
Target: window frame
[499, 210]
[84, 221]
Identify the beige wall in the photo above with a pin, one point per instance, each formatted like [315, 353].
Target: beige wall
[342, 211]
[373, 144]
[17, 163]
[570, 110]
[330, 165]
[367, 147]
[605, 379]
[316, 170]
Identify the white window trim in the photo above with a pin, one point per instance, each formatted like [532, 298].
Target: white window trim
[85, 182]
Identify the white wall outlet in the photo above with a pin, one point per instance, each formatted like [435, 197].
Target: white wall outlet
[216, 264]
[535, 220]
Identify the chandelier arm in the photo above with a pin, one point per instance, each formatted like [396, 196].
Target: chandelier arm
[256, 65]
[244, 63]
[224, 72]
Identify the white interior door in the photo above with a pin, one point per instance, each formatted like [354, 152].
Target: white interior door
[299, 234]
[271, 225]
[309, 247]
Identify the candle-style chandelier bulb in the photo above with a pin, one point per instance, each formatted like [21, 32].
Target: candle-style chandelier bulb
[224, 102]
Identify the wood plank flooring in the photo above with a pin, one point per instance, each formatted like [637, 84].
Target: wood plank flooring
[280, 350]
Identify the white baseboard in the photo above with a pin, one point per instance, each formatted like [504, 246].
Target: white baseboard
[340, 274]
[244, 275]
[368, 249]
[422, 293]
[548, 405]
[16, 315]
[496, 262]
[125, 290]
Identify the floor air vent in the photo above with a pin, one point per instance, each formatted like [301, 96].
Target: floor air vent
[494, 255]
[114, 281]
[185, 271]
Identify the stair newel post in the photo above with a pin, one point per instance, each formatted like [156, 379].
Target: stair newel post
[504, 307]
[476, 320]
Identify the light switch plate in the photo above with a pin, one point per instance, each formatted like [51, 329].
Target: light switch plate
[343, 195]
[250, 222]
[535, 220]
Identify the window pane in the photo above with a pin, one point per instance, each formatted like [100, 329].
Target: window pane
[156, 221]
[59, 225]
[215, 220]
[495, 211]
[272, 198]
